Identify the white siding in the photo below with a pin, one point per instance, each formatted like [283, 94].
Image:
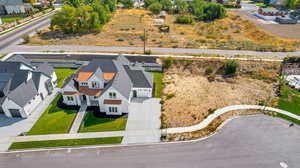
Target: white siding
[143, 92]
[122, 108]
[42, 87]
[9, 104]
[96, 79]
[25, 67]
[76, 100]
[29, 107]
[54, 78]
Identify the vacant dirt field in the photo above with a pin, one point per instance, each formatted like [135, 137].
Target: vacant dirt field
[127, 28]
[189, 96]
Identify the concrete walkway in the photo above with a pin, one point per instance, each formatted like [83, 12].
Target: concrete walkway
[11, 127]
[79, 118]
[144, 116]
[221, 111]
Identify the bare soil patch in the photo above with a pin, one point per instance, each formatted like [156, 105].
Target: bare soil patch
[127, 28]
[189, 97]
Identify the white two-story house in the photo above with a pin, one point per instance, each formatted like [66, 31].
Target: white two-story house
[108, 83]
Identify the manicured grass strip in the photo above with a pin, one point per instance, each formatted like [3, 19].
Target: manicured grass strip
[54, 120]
[289, 106]
[94, 124]
[157, 77]
[288, 118]
[65, 143]
[11, 19]
[62, 74]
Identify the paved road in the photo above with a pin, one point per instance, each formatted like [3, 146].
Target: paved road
[14, 36]
[26, 48]
[247, 142]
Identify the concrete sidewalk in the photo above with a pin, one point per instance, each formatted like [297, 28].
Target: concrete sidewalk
[79, 117]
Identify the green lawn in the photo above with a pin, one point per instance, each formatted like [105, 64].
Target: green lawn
[65, 143]
[289, 101]
[94, 124]
[157, 76]
[11, 19]
[62, 74]
[54, 120]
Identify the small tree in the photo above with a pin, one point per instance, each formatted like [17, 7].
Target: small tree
[155, 8]
[167, 5]
[181, 6]
[231, 67]
[128, 3]
[185, 19]
[168, 62]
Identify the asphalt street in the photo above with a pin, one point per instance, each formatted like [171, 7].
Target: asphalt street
[247, 142]
[14, 36]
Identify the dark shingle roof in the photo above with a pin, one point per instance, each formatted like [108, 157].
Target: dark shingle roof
[23, 93]
[11, 2]
[19, 58]
[46, 69]
[137, 77]
[106, 65]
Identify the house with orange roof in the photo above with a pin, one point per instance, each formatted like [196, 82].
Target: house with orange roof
[109, 84]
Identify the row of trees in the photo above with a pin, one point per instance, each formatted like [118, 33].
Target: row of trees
[83, 15]
[202, 10]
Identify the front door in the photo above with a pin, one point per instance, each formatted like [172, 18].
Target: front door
[134, 93]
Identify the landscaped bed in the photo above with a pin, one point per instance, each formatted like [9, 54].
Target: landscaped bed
[11, 19]
[127, 28]
[157, 78]
[65, 143]
[92, 123]
[54, 120]
[62, 74]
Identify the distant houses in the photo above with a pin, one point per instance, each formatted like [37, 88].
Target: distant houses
[11, 7]
[291, 71]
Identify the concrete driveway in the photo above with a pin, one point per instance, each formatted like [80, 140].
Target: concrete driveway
[144, 116]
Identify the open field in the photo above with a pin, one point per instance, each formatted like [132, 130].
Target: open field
[62, 74]
[54, 120]
[189, 97]
[92, 123]
[65, 143]
[127, 28]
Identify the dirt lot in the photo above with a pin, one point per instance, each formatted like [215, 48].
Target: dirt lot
[289, 31]
[189, 96]
[127, 28]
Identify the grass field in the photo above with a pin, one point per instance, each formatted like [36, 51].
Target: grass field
[11, 19]
[157, 77]
[62, 74]
[65, 143]
[289, 99]
[54, 120]
[94, 124]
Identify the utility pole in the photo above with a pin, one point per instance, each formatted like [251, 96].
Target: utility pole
[145, 40]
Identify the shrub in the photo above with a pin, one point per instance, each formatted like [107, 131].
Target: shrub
[168, 62]
[209, 70]
[170, 95]
[231, 67]
[155, 8]
[207, 11]
[120, 39]
[148, 52]
[26, 38]
[127, 3]
[184, 19]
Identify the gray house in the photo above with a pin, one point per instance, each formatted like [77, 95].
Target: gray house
[108, 83]
[11, 6]
[23, 86]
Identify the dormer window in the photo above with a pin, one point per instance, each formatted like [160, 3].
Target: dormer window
[112, 95]
[84, 84]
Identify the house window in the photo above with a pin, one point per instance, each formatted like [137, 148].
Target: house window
[94, 85]
[113, 109]
[84, 83]
[70, 98]
[95, 97]
[112, 95]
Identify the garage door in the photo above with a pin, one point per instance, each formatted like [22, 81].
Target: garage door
[15, 112]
